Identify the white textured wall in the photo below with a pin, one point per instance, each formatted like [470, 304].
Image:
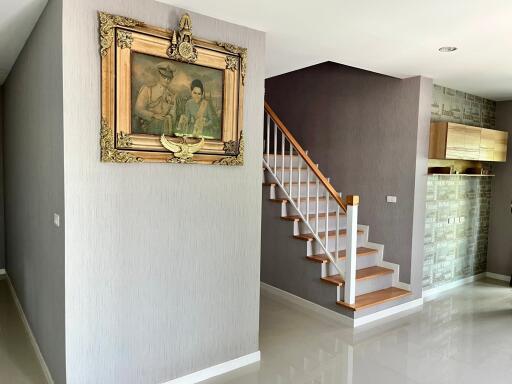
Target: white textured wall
[420, 183]
[162, 261]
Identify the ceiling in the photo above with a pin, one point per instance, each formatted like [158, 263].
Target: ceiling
[395, 37]
[17, 19]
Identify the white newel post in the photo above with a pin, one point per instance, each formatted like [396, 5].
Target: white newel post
[350, 264]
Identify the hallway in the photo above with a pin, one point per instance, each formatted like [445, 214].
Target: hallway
[461, 337]
[18, 361]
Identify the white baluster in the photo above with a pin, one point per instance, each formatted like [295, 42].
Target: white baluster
[351, 249]
[291, 171]
[283, 145]
[268, 138]
[275, 148]
[317, 204]
[337, 245]
[307, 196]
[326, 219]
[298, 191]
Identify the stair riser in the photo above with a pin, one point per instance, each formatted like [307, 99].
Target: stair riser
[303, 191]
[317, 249]
[295, 160]
[321, 224]
[362, 262]
[322, 207]
[374, 284]
[295, 176]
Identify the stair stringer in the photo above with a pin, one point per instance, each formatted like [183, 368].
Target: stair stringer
[284, 265]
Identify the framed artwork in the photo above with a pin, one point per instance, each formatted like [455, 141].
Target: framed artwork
[168, 96]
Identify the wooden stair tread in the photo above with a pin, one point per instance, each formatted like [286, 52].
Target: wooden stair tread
[361, 274]
[361, 251]
[279, 200]
[375, 298]
[309, 236]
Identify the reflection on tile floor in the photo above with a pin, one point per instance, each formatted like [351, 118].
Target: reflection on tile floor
[18, 361]
[464, 336]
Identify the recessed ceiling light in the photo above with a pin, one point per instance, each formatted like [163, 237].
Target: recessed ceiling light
[447, 49]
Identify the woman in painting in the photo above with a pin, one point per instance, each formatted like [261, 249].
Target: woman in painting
[155, 105]
[199, 117]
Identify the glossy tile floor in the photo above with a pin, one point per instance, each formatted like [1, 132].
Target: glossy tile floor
[464, 336]
[18, 361]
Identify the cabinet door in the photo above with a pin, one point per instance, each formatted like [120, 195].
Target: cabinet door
[472, 142]
[487, 140]
[500, 146]
[462, 142]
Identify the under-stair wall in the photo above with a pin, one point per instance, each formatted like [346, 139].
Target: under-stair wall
[369, 133]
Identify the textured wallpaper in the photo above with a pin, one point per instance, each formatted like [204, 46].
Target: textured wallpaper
[162, 260]
[459, 107]
[456, 229]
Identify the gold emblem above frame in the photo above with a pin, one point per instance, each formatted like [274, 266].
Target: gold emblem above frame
[168, 96]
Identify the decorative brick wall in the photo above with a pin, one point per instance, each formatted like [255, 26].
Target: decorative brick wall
[456, 228]
[459, 107]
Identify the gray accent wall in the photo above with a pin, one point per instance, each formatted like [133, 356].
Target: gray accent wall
[162, 260]
[2, 222]
[369, 133]
[34, 185]
[499, 258]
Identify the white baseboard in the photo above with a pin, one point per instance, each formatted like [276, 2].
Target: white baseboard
[345, 320]
[497, 276]
[432, 293]
[388, 312]
[216, 370]
[33, 340]
[2, 271]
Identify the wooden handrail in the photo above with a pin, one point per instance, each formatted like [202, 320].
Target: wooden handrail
[305, 156]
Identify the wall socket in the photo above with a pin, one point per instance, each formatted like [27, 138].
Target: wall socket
[56, 219]
[391, 199]
[456, 220]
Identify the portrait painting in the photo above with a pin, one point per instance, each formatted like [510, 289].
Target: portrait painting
[176, 99]
[168, 96]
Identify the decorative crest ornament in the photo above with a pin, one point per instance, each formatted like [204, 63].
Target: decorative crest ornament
[231, 148]
[242, 52]
[108, 151]
[124, 140]
[234, 160]
[183, 152]
[182, 47]
[124, 39]
[108, 23]
[231, 62]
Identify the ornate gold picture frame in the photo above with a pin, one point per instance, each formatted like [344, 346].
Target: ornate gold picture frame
[168, 96]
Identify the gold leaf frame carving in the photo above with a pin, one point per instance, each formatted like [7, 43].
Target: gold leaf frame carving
[119, 37]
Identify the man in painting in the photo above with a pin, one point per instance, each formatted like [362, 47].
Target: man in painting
[199, 118]
[155, 105]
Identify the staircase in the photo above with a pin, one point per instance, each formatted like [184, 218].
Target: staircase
[327, 226]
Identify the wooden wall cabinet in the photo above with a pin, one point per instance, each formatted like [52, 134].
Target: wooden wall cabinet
[493, 145]
[454, 141]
